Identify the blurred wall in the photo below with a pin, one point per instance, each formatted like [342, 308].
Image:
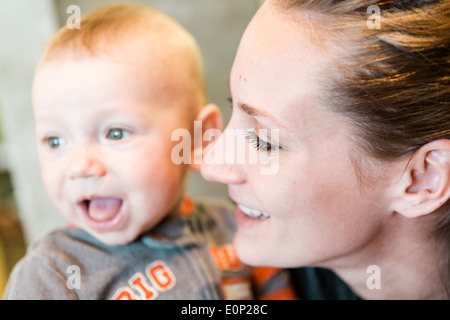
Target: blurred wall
[27, 26]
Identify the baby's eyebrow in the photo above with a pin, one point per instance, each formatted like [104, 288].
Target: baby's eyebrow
[44, 119]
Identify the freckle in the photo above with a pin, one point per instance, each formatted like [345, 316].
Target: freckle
[245, 79]
[240, 77]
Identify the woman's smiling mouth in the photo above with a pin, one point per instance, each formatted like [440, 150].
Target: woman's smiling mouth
[254, 213]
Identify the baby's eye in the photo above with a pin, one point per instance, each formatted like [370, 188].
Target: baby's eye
[117, 134]
[55, 142]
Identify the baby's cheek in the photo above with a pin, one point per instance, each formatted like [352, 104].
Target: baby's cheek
[53, 181]
[153, 177]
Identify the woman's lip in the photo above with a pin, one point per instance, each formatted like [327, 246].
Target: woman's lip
[254, 213]
[245, 221]
[247, 210]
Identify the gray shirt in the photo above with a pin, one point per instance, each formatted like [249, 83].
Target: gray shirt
[185, 257]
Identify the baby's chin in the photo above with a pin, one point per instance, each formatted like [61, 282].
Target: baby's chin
[116, 238]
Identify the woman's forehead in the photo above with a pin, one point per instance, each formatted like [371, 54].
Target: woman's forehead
[276, 67]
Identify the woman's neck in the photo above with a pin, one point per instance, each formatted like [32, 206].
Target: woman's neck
[397, 264]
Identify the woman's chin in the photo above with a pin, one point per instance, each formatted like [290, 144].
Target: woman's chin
[249, 252]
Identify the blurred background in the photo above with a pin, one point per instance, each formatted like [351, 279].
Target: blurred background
[26, 27]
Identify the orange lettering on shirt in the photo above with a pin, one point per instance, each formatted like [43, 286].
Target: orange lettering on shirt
[225, 257]
[139, 283]
[161, 276]
[124, 294]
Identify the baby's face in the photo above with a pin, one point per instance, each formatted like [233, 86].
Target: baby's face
[104, 141]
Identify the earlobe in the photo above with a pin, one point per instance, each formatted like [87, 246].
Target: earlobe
[426, 182]
[210, 118]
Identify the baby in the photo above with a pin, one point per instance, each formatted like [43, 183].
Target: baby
[106, 100]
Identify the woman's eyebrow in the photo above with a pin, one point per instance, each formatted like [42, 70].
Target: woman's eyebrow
[253, 112]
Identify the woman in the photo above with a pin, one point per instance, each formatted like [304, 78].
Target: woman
[360, 118]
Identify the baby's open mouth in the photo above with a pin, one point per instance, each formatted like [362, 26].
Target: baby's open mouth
[102, 209]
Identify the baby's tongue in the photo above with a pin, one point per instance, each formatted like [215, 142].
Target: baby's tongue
[104, 209]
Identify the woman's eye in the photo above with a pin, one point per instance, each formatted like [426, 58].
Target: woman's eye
[55, 142]
[117, 134]
[258, 143]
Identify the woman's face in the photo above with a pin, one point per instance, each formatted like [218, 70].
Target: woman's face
[315, 207]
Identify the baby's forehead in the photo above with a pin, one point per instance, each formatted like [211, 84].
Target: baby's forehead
[168, 51]
[122, 80]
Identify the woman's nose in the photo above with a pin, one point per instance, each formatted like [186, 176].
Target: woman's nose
[85, 164]
[218, 167]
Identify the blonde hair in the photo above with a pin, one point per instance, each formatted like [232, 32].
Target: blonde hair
[109, 29]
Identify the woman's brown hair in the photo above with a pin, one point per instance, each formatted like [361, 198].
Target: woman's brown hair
[391, 81]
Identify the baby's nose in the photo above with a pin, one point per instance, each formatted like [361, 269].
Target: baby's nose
[84, 164]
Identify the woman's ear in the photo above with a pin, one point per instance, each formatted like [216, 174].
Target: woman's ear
[425, 185]
[210, 120]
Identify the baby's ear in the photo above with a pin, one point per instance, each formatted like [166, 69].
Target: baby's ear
[210, 120]
[425, 185]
